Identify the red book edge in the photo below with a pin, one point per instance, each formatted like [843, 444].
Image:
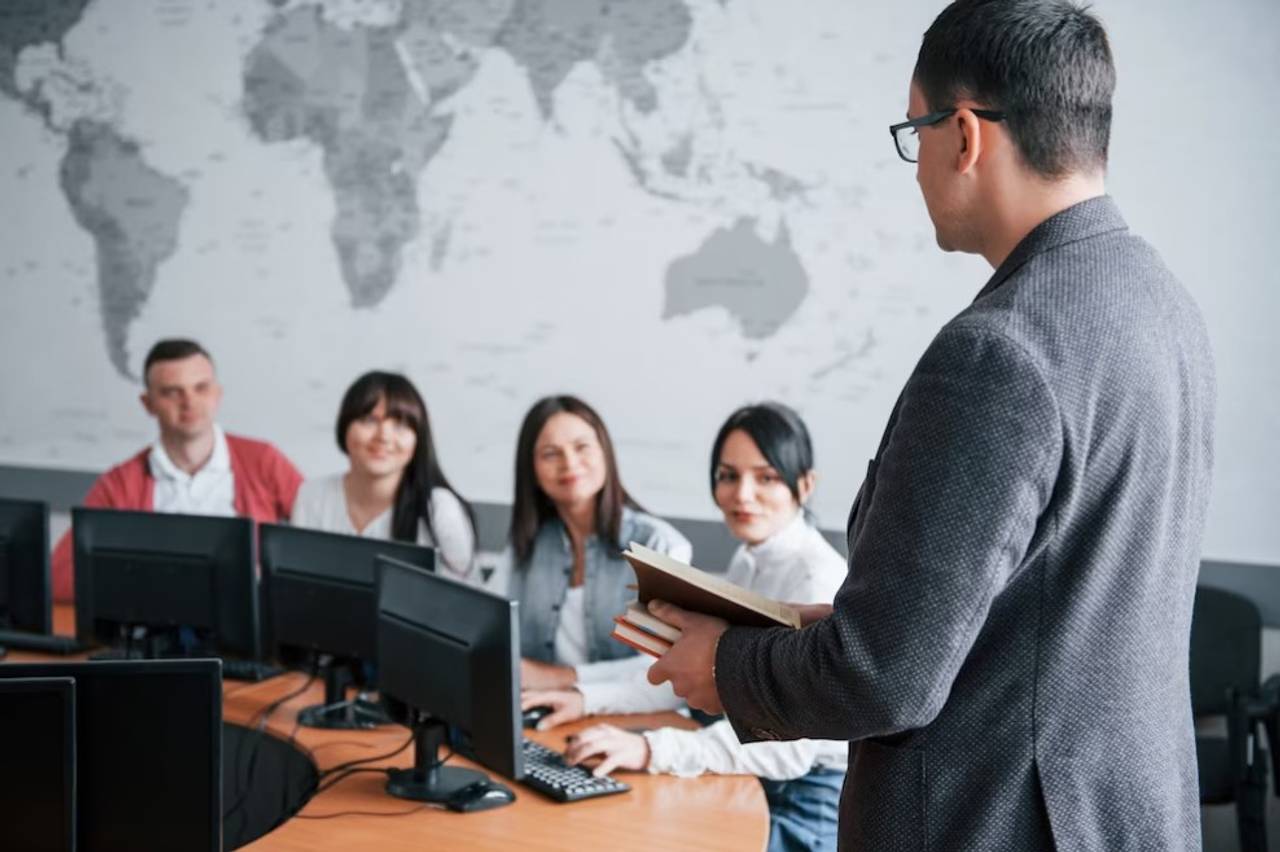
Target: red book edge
[626, 641]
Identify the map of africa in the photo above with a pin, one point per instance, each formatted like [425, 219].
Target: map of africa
[687, 203]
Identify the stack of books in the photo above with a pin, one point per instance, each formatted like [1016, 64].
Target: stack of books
[659, 577]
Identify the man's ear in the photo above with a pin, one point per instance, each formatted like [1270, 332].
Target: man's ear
[970, 130]
[145, 399]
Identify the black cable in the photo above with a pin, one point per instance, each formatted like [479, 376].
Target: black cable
[344, 775]
[259, 722]
[349, 743]
[366, 813]
[332, 769]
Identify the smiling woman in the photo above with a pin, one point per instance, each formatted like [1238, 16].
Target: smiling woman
[761, 476]
[394, 487]
[570, 520]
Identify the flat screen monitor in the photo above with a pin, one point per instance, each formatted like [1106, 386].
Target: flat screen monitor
[319, 593]
[449, 656]
[38, 763]
[178, 585]
[25, 591]
[148, 752]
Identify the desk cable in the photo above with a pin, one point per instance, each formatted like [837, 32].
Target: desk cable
[335, 775]
[259, 722]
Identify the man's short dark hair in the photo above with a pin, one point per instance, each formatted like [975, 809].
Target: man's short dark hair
[1045, 63]
[172, 349]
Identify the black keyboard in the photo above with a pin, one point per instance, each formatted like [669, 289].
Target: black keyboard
[546, 772]
[252, 670]
[249, 670]
[20, 640]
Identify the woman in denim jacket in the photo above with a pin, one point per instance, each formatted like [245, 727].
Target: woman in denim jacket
[570, 521]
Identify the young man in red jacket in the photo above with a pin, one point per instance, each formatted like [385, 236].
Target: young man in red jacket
[194, 467]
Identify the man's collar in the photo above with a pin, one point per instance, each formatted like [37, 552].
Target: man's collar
[1088, 218]
[162, 467]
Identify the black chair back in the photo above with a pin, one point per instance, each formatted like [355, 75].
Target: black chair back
[1226, 649]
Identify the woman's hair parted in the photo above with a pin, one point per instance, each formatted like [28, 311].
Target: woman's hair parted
[531, 507]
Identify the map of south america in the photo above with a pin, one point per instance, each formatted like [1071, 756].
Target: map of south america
[131, 210]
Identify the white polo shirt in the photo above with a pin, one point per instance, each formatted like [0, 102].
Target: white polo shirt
[211, 490]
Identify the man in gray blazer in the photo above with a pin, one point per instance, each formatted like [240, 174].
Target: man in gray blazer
[1008, 657]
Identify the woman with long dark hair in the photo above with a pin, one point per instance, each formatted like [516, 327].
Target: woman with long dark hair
[571, 519]
[394, 487]
[761, 478]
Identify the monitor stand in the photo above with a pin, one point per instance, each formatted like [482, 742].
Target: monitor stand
[139, 642]
[430, 780]
[339, 712]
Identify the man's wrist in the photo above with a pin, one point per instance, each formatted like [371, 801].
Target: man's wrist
[715, 651]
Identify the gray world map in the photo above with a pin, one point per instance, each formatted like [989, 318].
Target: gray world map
[373, 99]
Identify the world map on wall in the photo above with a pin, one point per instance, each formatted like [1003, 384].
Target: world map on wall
[663, 206]
[369, 85]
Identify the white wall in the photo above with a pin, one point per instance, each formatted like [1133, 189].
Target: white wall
[1195, 167]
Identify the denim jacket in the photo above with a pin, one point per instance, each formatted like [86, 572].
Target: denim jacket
[540, 583]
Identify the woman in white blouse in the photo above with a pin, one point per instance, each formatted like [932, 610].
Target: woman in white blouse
[394, 487]
[761, 477]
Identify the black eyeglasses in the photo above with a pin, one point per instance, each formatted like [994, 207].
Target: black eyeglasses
[907, 140]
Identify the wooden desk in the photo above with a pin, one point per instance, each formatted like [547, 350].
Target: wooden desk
[660, 812]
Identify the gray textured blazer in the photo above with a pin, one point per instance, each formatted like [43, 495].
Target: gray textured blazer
[1008, 656]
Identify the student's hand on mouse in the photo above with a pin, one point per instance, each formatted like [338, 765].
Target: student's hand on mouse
[566, 705]
[537, 675]
[690, 663]
[613, 747]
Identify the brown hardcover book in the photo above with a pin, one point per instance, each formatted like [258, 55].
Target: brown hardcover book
[660, 577]
[637, 616]
[639, 639]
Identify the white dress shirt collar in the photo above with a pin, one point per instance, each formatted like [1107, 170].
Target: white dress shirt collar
[163, 467]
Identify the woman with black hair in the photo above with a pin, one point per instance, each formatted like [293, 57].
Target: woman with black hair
[571, 519]
[394, 487]
[761, 477]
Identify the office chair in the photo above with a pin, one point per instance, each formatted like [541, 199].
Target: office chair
[1226, 648]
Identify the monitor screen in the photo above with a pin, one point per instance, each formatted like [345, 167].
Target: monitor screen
[452, 651]
[25, 591]
[38, 762]
[319, 590]
[164, 572]
[148, 752]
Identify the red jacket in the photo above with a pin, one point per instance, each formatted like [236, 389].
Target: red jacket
[265, 484]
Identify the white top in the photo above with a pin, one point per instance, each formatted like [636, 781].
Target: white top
[321, 504]
[797, 565]
[211, 490]
[571, 634]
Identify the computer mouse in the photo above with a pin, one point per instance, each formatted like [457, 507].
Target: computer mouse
[534, 715]
[480, 796]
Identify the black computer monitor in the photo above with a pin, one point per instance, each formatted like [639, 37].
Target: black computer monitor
[166, 585]
[38, 762]
[148, 752]
[25, 591]
[320, 602]
[449, 655]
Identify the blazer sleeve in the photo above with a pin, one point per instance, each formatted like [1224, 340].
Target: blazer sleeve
[946, 520]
